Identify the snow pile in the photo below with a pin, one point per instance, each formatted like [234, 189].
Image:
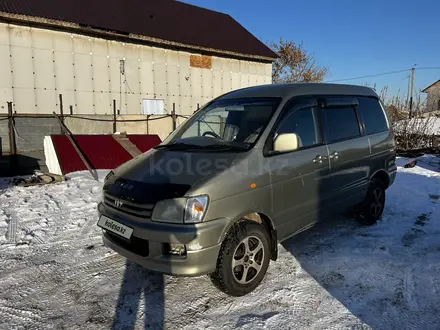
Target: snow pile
[55, 273]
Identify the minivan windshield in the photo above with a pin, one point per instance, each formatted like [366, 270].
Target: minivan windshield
[233, 124]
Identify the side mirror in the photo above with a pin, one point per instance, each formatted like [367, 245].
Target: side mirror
[286, 142]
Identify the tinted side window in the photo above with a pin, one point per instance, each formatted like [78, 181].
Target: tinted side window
[340, 123]
[372, 115]
[302, 123]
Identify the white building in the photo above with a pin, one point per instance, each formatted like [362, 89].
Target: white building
[145, 54]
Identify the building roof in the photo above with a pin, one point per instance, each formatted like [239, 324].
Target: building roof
[299, 89]
[426, 90]
[160, 20]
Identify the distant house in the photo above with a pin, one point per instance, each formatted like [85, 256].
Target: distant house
[433, 99]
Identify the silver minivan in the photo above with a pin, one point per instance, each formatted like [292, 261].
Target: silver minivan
[247, 171]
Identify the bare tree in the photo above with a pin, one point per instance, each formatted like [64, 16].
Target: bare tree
[295, 64]
[418, 132]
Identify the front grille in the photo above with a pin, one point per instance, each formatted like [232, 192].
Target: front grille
[139, 210]
[135, 245]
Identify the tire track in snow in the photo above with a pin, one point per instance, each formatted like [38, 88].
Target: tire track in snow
[408, 290]
[12, 229]
[36, 239]
[27, 318]
[77, 278]
[71, 284]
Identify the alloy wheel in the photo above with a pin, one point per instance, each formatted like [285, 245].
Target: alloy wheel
[248, 260]
[378, 202]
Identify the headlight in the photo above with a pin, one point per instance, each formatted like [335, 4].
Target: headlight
[181, 210]
[169, 210]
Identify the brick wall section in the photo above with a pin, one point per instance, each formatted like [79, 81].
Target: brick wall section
[82, 126]
[31, 132]
[4, 136]
[432, 102]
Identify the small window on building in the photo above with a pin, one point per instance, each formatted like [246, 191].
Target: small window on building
[153, 107]
[438, 104]
[340, 123]
[372, 115]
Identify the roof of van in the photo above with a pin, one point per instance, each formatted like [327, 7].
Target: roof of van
[298, 89]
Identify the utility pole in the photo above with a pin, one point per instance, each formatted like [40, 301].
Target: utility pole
[411, 99]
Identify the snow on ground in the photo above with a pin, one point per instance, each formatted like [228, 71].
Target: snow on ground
[55, 273]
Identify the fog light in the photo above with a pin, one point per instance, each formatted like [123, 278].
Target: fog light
[176, 249]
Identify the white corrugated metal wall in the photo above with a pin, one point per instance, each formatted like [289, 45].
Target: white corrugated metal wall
[36, 65]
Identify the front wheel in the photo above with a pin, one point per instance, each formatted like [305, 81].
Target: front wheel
[372, 208]
[243, 259]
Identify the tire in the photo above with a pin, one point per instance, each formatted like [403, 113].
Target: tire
[372, 208]
[248, 272]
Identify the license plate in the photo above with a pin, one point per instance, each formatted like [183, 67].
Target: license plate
[115, 227]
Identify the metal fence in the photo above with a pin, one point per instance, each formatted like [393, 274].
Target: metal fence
[22, 135]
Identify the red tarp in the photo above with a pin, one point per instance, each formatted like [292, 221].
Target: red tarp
[144, 142]
[102, 151]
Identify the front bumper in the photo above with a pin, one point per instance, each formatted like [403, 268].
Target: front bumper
[202, 242]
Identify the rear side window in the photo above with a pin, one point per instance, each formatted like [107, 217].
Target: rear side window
[372, 115]
[340, 123]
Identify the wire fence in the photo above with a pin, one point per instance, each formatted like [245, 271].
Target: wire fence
[25, 132]
[120, 120]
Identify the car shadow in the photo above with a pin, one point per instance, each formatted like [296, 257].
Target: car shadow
[141, 297]
[429, 162]
[5, 183]
[361, 266]
[318, 253]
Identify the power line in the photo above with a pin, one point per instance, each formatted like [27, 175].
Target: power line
[386, 73]
[371, 75]
[126, 83]
[429, 68]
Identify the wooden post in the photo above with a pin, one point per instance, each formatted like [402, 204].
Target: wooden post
[11, 124]
[114, 116]
[12, 141]
[61, 107]
[198, 122]
[61, 110]
[411, 93]
[174, 117]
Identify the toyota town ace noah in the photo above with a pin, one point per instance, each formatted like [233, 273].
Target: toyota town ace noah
[250, 169]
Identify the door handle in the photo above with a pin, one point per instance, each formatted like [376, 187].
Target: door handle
[318, 159]
[335, 155]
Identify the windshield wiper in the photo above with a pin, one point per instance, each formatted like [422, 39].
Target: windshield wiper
[184, 146]
[177, 146]
[225, 147]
